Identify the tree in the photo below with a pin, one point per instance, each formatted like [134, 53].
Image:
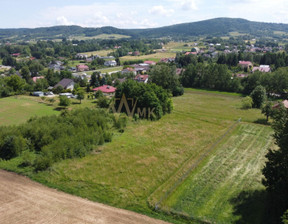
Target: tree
[267, 110]
[247, 102]
[94, 82]
[25, 72]
[16, 83]
[165, 76]
[276, 168]
[258, 96]
[80, 94]
[64, 101]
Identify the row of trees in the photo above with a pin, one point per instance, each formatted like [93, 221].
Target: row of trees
[219, 77]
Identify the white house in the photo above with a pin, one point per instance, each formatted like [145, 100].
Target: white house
[110, 63]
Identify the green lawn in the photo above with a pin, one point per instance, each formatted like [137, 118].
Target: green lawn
[233, 168]
[16, 110]
[141, 164]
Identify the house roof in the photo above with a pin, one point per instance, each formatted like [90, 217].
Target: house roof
[141, 77]
[285, 103]
[262, 69]
[150, 62]
[64, 83]
[245, 62]
[36, 78]
[105, 89]
[82, 66]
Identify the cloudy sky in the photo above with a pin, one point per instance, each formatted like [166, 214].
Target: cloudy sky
[134, 13]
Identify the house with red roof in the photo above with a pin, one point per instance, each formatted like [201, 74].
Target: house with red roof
[191, 53]
[142, 78]
[150, 62]
[245, 64]
[82, 68]
[106, 90]
[16, 55]
[36, 78]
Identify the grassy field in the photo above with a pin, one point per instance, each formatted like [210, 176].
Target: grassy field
[102, 53]
[150, 57]
[101, 36]
[16, 110]
[128, 171]
[234, 167]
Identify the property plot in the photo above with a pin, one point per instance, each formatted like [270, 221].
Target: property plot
[233, 168]
[18, 109]
[126, 172]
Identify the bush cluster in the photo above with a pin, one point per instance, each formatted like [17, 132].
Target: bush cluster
[53, 138]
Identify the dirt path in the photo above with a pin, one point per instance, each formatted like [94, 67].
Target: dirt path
[24, 201]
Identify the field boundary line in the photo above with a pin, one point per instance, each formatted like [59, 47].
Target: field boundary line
[157, 205]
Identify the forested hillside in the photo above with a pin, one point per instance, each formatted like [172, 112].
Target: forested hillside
[213, 27]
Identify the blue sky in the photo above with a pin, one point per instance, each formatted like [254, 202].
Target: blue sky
[134, 14]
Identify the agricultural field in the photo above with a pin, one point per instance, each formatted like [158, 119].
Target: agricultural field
[101, 36]
[150, 57]
[213, 188]
[139, 165]
[16, 110]
[102, 53]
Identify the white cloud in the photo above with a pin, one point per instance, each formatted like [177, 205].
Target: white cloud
[189, 5]
[160, 10]
[62, 20]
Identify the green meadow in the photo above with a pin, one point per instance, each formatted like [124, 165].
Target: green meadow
[136, 169]
[17, 109]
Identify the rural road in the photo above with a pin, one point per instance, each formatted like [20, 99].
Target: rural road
[25, 201]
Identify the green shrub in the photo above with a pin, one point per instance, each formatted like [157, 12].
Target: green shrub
[64, 101]
[247, 103]
[103, 102]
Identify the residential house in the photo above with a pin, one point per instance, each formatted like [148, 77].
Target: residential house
[106, 90]
[191, 53]
[136, 53]
[81, 56]
[167, 60]
[16, 55]
[129, 70]
[245, 64]
[66, 84]
[150, 62]
[142, 78]
[112, 63]
[36, 78]
[82, 68]
[285, 103]
[262, 68]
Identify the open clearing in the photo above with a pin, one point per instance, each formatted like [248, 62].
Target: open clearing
[18, 109]
[210, 191]
[137, 165]
[151, 57]
[24, 201]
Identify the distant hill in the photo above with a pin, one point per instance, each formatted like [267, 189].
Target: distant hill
[212, 27]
